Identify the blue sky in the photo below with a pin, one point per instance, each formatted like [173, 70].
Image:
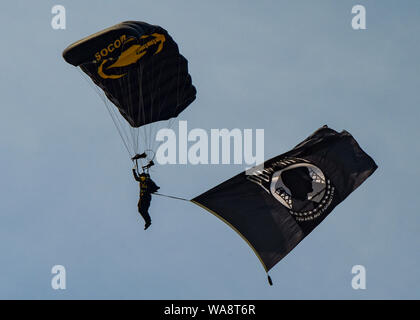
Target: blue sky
[289, 67]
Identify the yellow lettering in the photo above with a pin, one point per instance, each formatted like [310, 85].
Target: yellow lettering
[110, 48]
[128, 56]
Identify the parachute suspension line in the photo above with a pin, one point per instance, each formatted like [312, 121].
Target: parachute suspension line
[143, 137]
[118, 84]
[133, 130]
[137, 129]
[119, 127]
[116, 118]
[172, 120]
[141, 104]
[147, 127]
[152, 100]
[155, 82]
[97, 90]
[127, 92]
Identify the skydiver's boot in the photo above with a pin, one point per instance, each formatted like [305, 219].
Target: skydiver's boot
[147, 225]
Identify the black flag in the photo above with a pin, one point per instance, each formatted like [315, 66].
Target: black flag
[274, 207]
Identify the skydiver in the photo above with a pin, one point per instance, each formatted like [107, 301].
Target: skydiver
[147, 187]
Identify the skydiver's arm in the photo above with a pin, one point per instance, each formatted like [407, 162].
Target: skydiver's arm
[135, 175]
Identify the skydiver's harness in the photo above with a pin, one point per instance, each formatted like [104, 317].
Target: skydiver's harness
[144, 184]
[146, 170]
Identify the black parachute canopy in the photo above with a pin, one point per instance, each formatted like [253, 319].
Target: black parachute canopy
[276, 206]
[139, 68]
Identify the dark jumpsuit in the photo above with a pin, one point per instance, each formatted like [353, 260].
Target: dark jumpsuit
[147, 187]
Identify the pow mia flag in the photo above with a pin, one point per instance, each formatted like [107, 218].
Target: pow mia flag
[277, 206]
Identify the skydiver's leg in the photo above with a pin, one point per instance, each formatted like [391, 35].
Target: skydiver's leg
[143, 207]
[146, 216]
[147, 219]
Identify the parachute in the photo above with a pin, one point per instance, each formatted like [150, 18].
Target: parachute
[138, 68]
